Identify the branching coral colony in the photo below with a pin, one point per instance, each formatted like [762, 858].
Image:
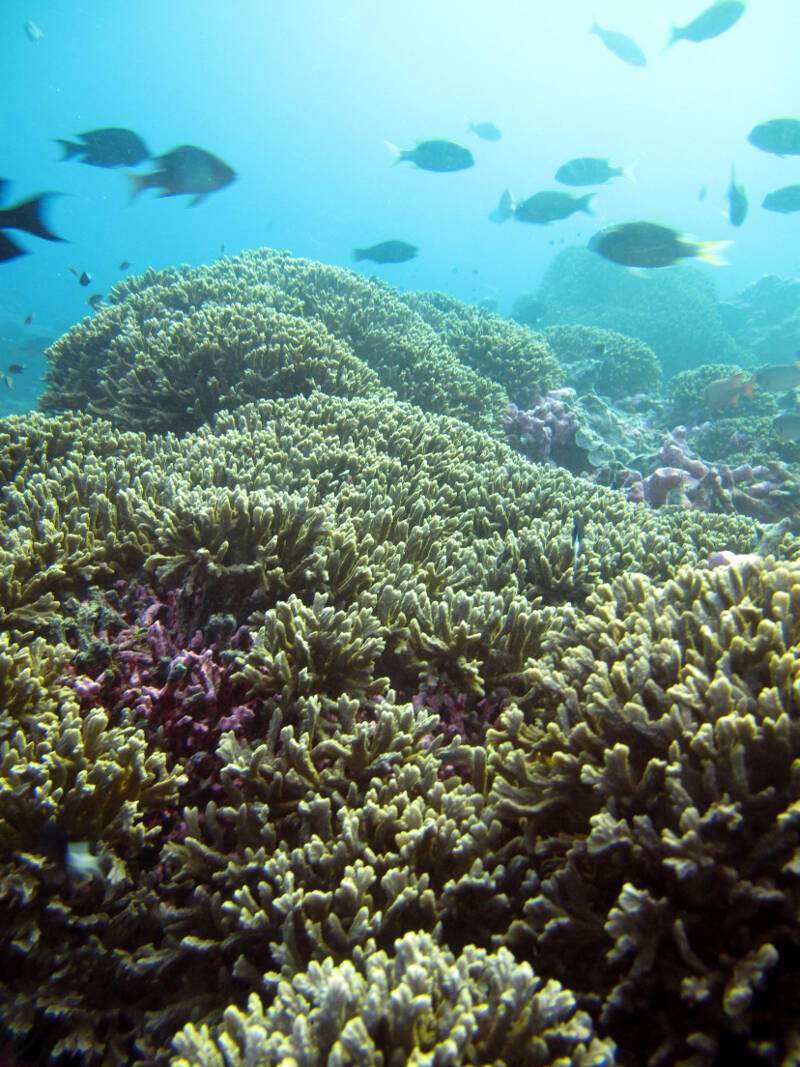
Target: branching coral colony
[320, 742]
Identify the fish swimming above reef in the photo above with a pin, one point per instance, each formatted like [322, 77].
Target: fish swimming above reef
[622, 46]
[504, 209]
[437, 155]
[487, 131]
[779, 377]
[94, 300]
[725, 392]
[737, 202]
[387, 252]
[781, 137]
[185, 171]
[83, 276]
[709, 23]
[785, 200]
[111, 146]
[25, 216]
[647, 244]
[787, 426]
[550, 206]
[124, 265]
[590, 170]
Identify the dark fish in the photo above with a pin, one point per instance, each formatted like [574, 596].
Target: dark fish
[578, 531]
[387, 252]
[15, 368]
[75, 857]
[737, 202]
[622, 46]
[779, 377]
[95, 300]
[9, 381]
[124, 264]
[589, 170]
[111, 146]
[25, 216]
[84, 277]
[28, 319]
[709, 23]
[545, 207]
[440, 156]
[33, 33]
[785, 200]
[787, 426]
[779, 136]
[486, 130]
[646, 244]
[185, 170]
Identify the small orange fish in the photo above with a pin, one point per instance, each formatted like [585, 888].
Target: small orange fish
[725, 392]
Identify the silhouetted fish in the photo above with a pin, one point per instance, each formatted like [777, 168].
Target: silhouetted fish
[622, 46]
[590, 170]
[485, 130]
[33, 33]
[737, 202]
[647, 244]
[779, 136]
[437, 155]
[709, 23]
[547, 206]
[387, 252]
[25, 216]
[110, 146]
[785, 200]
[185, 170]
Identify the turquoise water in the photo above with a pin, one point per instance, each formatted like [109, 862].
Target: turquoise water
[300, 98]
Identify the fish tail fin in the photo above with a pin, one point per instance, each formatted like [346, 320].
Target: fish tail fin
[675, 34]
[71, 148]
[627, 172]
[397, 152]
[595, 27]
[586, 205]
[747, 388]
[27, 216]
[138, 183]
[709, 252]
[359, 254]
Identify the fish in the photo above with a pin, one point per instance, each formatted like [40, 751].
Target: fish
[33, 33]
[709, 23]
[781, 137]
[737, 202]
[785, 200]
[590, 170]
[185, 170]
[76, 857]
[545, 207]
[779, 377]
[124, 265]
[647, 244]
[487, 131]
[28, 319]
[787, 426]
[437, 155]
[504, 209]
[622, 46]
[25, 216]
[15, 368]
[725, 392]
[387, 252]
[95, 300]
[110, 146]
[9, 381]
[578, 530]
[84, 277]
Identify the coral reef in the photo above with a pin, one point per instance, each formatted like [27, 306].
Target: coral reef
[605, 361]
[676, 312]
[764, 318]
[323, 738]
